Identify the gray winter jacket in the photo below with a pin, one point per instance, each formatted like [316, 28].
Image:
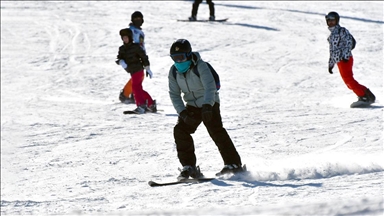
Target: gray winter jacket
[340, 45]
[196, 90]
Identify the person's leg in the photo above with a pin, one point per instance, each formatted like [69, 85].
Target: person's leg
[221, 138]
[147, 98]
[127, 90]
[146, 95]
[195, 7]
[184, 142]
[346, 73]
[137, 87]
[211, 8]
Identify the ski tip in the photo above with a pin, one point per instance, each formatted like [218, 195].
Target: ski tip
[151, 183]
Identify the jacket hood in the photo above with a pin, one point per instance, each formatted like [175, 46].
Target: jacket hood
[195, 57]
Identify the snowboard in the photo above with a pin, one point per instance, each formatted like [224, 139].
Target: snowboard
[182, 181]
[216, 20]
[360, 104]
[130, 112]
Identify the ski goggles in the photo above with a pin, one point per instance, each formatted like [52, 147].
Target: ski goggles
[327, 17]
[180, 57]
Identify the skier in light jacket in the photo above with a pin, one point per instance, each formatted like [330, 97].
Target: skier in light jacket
[200, 103]
[341, 43]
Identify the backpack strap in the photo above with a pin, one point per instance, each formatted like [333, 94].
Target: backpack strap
[195, 71]
[174, 71]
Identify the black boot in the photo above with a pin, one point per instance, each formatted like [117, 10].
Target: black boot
[231, 168]
[131, 98]
[122, 98]
[190, 171]
[371, 97]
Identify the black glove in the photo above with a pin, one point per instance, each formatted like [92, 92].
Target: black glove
[185, 115]
[117, 61]
[206, 112]
[330, 70]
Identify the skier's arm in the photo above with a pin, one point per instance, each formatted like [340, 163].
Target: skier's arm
[175, 93]
[120, 59]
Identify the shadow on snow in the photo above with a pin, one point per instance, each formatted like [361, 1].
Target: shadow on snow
[304, 12]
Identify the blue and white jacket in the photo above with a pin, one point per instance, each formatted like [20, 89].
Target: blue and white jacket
[137, 35]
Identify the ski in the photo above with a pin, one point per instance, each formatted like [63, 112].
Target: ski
[182, 181]
[217, 20]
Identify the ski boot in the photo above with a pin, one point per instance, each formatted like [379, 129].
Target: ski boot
[189, 171]
[231, 169]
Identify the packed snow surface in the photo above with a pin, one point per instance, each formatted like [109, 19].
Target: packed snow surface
[67, 148]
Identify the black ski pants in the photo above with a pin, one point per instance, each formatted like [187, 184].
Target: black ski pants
[195, 7]
[184, 141]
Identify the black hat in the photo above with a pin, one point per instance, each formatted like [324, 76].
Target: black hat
[137, 23]
[333, 15]
[137, 14]
[181, 46]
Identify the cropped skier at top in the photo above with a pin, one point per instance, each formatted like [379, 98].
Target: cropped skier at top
[202, 105]
[340, 48]
[195, 8]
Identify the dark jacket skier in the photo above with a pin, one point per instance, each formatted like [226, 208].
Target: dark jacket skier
[133, 59]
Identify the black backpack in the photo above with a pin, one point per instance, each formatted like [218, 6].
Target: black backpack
[353, 42]
[214, 74]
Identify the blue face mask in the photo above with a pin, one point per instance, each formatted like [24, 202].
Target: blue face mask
[183, 67]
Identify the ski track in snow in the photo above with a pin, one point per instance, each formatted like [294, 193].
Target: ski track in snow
[66, 147]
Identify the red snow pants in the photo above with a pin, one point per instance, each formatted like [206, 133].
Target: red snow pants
[127, 90]
[141, 96]
[346, 73]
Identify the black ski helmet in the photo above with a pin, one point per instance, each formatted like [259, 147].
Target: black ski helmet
[181, 46]
[135, 15]
[126, 32]
[333, 15]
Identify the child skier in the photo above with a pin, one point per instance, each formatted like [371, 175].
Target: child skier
[137, 20]
[133, 59]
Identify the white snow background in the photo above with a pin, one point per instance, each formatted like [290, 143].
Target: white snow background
[67, 148]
